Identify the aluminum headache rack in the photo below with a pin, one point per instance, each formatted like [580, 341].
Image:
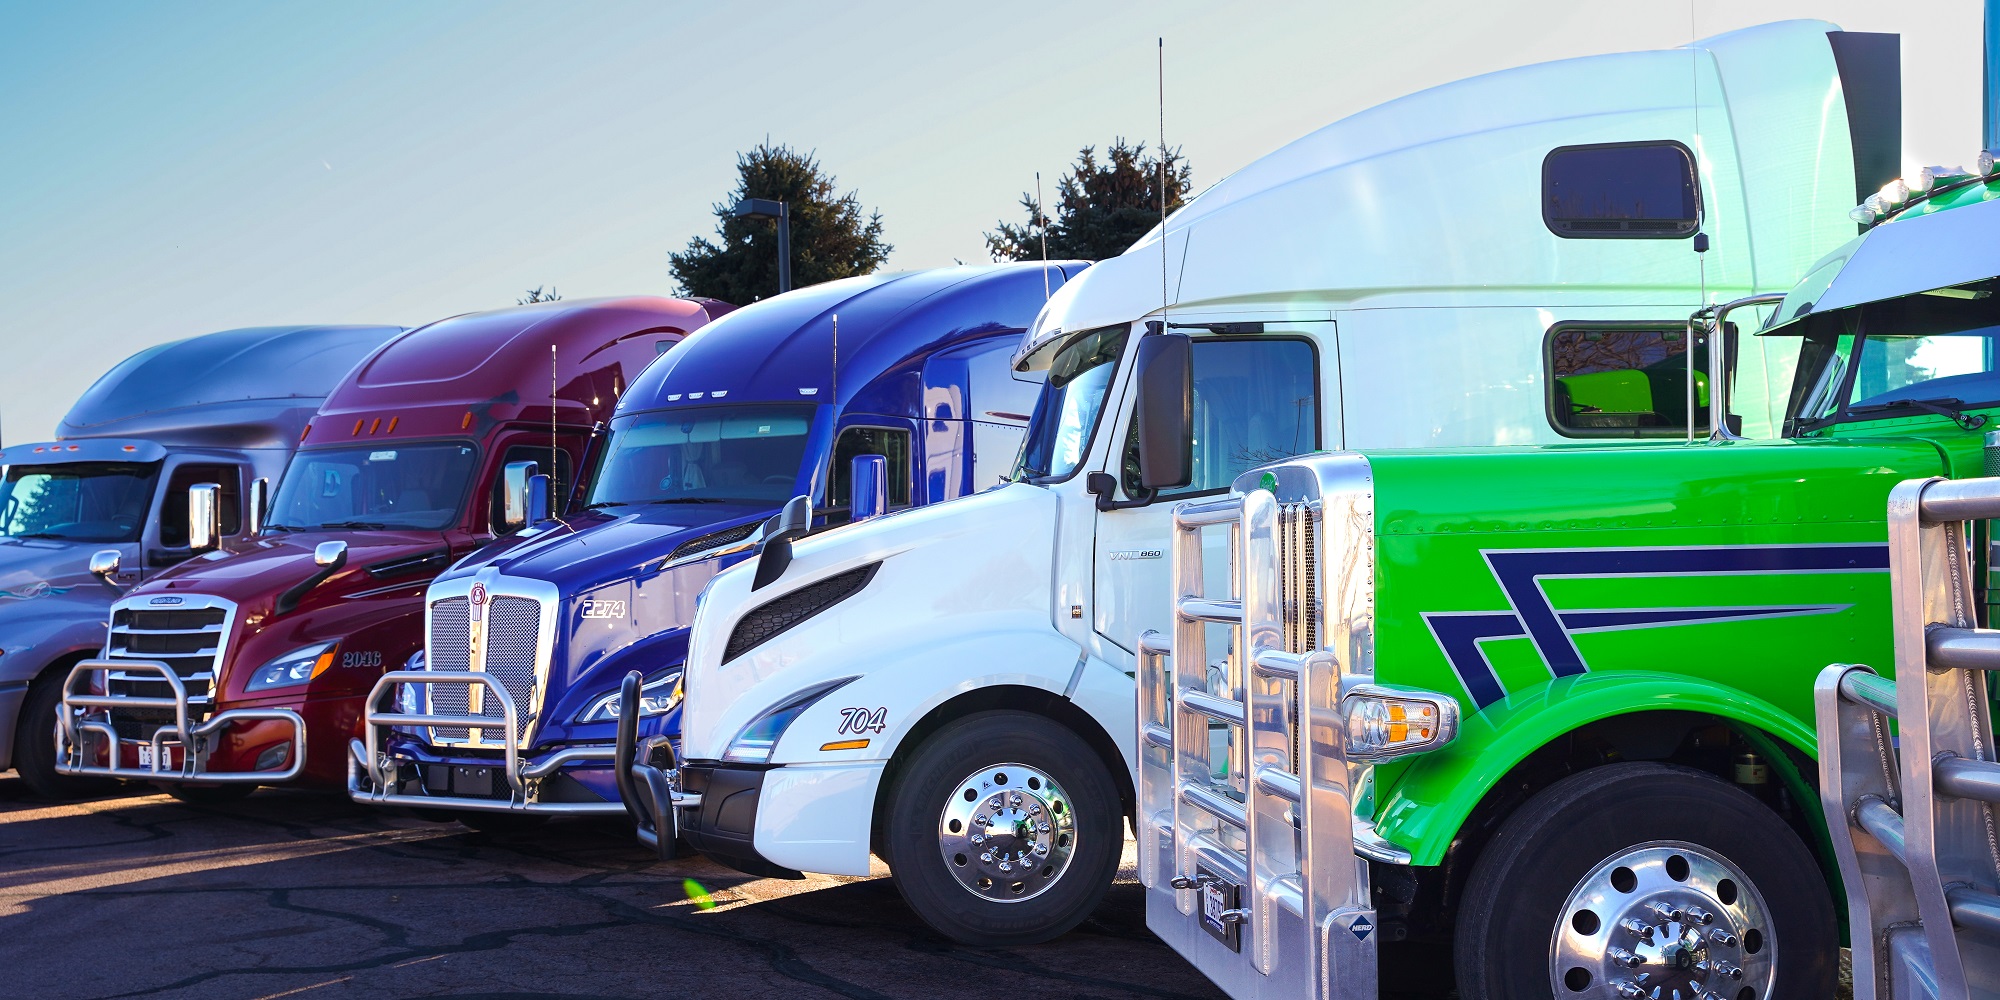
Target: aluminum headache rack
[1256, 866]
[1913, 825]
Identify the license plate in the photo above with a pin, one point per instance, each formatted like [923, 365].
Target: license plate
[1218, 897]
[146, 756]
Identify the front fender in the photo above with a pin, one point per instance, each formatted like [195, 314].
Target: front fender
[37, 633]
[898, 687]
[1423, 806]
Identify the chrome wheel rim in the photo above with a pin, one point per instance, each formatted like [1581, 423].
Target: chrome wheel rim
[1666, 921]
[1007, 833]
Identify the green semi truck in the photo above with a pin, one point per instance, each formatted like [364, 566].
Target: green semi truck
[1554, 705]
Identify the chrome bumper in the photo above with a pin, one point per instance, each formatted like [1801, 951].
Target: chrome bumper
[79, 739]
[372, 773]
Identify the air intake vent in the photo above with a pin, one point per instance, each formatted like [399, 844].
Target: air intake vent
[714, 539]
[770, 620]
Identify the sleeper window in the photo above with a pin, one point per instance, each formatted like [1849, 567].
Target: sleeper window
[1637, 190]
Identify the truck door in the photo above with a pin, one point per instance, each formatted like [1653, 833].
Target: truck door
[1257, 398]
[172, 520]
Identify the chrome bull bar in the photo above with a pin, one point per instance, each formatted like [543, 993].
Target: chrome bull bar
[1915, 819]
[75, 755]
[1257, 873]
[652, 793]
[366, 759]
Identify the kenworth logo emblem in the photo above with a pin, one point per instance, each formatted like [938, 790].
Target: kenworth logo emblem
[1520, 573]
[476, 630]
[168, 600]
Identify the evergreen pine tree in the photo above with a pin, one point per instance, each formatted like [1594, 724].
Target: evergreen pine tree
[830, 236]
[1101, 207]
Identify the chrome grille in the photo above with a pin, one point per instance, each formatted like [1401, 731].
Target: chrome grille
[189, 640]
[450, 649]
[513, 627]
[1298, 576]
[512, 623]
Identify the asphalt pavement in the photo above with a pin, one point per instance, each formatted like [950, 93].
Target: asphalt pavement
[289, 894]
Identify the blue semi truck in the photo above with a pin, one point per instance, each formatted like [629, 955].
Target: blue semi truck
[85, 517]
[514, 709]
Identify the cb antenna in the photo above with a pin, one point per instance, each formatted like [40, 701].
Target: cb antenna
[835, 392]
[1042, 223]
[1163, 182]
[555, 487]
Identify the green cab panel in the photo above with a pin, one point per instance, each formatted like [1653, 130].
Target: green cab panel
[1547, 588]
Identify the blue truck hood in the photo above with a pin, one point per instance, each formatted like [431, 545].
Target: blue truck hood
[32, 568]
[619, 609]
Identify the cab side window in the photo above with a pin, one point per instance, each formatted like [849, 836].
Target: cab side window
[559, 484]
[174, 506]
[1624, 380]
[893, 445]
[1256, 400]
[1621, 190]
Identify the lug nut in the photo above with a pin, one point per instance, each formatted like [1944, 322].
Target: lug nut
[1006, 867]
[1627, 988]
[1722, 937]
[1639, 927]
[1730, 972]
[1665, 911]
[1626, 958]
[1697, 915]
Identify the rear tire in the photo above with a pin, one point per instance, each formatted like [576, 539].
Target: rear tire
[1005, 828]
[35, 744]
[208, 795]
[1666, 866]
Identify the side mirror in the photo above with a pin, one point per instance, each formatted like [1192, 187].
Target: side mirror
[514, 495]
[204, 517]
[104, 565]
[868, 487]
[539, 488]
[330, 555]
[1164, 414]
[260, 493]
[776, 552]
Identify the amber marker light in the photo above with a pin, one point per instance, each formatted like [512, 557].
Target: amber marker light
[358, 421]
[392, 424]
[325, 660]
[467, 422]
[844, 745]
[376, 426]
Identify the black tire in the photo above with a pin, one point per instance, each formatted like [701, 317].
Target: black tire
[493, 822]
[1514, 901]
[968, 750]
[35, 744]
[208, 795]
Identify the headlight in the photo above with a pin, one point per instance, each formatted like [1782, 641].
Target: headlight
[656, 697]
[754, 744]
[293, 668]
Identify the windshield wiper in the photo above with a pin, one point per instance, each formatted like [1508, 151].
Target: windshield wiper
[686, 500]
[1943, 406]
[601, 504]
[42, 534]
[354, 525]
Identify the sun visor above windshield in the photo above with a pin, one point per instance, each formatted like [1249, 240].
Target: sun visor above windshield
[1904, 257]
[1124, 289]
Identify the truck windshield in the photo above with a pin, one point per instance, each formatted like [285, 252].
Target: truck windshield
[1934, 352]
[704, 454]
[1071, 401]
[77, 502]
[404, 486]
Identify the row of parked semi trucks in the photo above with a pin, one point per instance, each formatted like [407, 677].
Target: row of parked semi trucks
[1426, 538]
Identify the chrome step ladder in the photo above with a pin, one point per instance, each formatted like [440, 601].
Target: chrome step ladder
[1912, 817]
[1257, 872]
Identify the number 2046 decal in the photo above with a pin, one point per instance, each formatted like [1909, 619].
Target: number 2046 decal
[863, 720]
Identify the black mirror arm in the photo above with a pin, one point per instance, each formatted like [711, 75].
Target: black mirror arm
[288, 601]
[1105, 488]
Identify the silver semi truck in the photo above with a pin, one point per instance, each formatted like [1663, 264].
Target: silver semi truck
[86, 516]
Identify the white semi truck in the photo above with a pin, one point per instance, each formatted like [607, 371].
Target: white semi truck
[1395, 279]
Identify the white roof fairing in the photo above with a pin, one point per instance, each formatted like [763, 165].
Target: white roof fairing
[1435, 198]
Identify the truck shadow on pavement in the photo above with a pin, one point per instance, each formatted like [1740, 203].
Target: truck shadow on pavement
[288, 894]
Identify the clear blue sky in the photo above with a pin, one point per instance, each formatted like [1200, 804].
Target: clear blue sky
[172, 169]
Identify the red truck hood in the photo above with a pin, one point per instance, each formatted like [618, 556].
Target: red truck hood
[254, 575]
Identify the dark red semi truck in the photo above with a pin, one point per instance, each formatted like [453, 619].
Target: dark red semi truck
[247, 664]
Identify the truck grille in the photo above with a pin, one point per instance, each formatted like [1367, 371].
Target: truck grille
[513, 625]
[1298, 577]
[189, 640]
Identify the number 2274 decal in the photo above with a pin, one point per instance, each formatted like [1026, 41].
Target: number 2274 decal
[863, 720]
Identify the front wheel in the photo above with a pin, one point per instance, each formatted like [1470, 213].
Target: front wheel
[35, 744]
[1644, 879]
[1004, 829]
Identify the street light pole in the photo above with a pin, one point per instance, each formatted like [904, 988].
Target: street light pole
[766, 208]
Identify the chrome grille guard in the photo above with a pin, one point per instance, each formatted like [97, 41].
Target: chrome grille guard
[1913, 816]
[86, 723]
[1258, 875]
[375, 775]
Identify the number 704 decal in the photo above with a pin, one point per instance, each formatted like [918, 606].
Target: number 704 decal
[863, 720]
